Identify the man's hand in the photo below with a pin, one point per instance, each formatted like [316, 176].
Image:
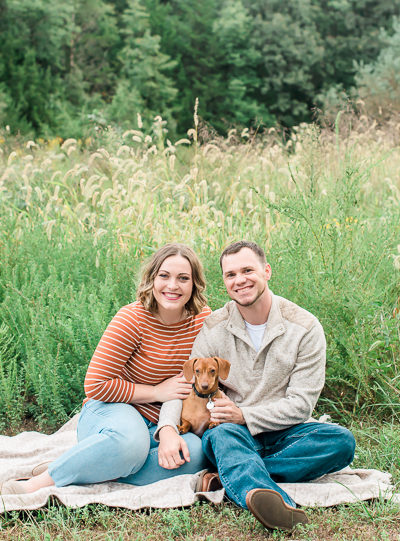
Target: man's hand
[225, 411]
[172, 451]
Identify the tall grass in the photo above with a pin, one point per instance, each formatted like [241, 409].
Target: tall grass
[78, 219]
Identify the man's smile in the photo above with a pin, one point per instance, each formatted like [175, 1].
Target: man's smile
[244, 289]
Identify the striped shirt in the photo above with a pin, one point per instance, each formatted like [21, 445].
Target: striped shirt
[137, 348]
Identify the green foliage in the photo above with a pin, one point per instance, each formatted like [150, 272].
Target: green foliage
[93, 47]
[145, 85]
[308, 47]
[378, 83]
[33, 37]
[54, 308]
[250, 63]
[32, 95]
[240, 105]
[11, 381]
[374, 87]
[291, 49]
[350, 30]
[186, 31]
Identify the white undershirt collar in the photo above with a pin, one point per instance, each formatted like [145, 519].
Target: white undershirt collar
[256, 333]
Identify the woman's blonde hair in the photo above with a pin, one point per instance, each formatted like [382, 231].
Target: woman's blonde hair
[145, 290]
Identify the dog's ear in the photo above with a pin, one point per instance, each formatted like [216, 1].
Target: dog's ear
[224, 367]
[188, 369]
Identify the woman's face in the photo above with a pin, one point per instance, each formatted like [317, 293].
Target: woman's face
[173, 284]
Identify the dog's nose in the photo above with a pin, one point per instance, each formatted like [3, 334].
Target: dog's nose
[204, 385]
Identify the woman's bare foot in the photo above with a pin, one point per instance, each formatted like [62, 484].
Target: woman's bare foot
[40, 481]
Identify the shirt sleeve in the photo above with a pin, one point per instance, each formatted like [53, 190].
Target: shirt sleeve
[170, 415]
[202, 347]
[103, 379]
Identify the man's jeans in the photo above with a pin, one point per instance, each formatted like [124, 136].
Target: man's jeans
[116, 442]
[299, 453]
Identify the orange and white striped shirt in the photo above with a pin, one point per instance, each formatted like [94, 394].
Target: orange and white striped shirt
[137, 348]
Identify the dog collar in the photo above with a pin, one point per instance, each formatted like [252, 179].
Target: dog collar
[201, 395]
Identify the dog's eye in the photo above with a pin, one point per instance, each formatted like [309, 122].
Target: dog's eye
[212, 371]
[197, 371]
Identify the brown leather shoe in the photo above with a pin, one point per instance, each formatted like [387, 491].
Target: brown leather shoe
[208, 482]
[272, 511]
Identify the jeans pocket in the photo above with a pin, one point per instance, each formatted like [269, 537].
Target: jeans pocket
[89, 419]
[93, 405]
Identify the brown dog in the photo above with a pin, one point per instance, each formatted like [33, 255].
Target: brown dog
[196, 407]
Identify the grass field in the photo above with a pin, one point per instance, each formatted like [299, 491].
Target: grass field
[78, 218]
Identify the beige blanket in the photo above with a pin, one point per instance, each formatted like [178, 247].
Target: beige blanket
[19, 454]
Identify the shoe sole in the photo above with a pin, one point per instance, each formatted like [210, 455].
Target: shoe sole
[278, 515]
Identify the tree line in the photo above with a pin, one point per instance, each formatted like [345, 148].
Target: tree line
[65, 66]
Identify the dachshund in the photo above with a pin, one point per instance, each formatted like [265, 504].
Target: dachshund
[197, 406]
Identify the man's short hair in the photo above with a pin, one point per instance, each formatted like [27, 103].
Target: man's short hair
[235, 247]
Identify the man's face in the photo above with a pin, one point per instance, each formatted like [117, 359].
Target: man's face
[245, 276]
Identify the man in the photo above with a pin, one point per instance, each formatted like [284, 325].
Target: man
[277, 355]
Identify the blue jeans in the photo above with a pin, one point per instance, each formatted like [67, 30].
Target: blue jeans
[299, 453]
[115, 442]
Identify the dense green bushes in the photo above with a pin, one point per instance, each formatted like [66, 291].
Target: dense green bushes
[55, 306]
[376, 88]
[66, 67]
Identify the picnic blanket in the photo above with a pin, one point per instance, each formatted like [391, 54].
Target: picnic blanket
[19, 454]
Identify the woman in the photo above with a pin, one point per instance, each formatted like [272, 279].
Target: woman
[137, 366]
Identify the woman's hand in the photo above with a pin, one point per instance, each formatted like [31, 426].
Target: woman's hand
[172, 388]
[172, 451]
